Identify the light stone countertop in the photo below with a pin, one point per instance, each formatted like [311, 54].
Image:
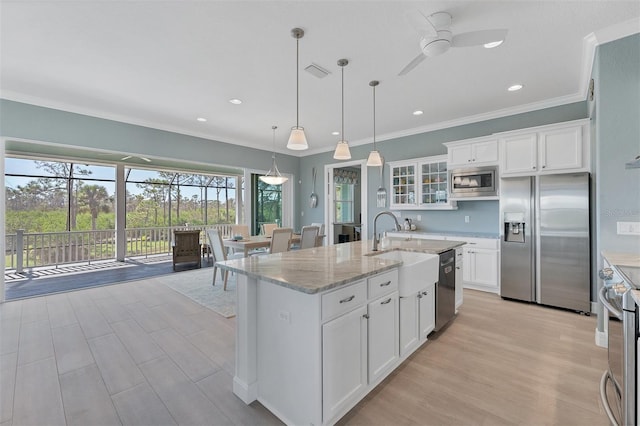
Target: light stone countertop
[323, 268]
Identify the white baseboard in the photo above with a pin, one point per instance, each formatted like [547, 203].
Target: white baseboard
[601, 339]
[247, 393]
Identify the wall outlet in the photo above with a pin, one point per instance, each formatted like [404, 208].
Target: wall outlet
[284, 316]
[466, 219]
[628, 228]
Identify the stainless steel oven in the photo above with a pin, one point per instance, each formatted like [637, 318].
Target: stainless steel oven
[618, 384]
[474, 182]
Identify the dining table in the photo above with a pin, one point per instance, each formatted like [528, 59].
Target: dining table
[257, 241]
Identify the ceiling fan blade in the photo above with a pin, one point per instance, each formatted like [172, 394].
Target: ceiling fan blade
[125, 158]
[421, 24]
[414, 63]
[145, 159]
[477, 38]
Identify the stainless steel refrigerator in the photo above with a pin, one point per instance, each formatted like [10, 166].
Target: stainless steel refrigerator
[545, 248]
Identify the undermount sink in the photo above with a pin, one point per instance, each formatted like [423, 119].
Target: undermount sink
[416, 272]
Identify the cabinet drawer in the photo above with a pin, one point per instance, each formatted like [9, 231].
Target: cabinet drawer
[343, 300]
[485, 243]
[383, 284]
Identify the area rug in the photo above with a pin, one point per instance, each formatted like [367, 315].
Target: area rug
[196, 285]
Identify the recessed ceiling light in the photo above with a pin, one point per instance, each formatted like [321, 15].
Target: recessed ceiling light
[201, 119]
[515, 87]
[335, 133]
[493, 44]
[418, 112]
[235, 101]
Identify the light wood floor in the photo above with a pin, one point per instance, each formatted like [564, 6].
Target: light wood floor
[145, 355]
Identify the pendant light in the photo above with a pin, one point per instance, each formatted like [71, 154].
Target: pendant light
[342, 148]
[273, 176]
[297, 139]
[374, 156]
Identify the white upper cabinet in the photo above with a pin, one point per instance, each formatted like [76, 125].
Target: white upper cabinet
[420, 184]
[558, 148]
[472, 152]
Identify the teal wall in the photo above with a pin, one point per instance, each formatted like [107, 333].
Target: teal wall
[483, 214]
[19, 120]
[617, 128]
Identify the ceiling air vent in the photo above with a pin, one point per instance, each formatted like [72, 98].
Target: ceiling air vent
[317, 70]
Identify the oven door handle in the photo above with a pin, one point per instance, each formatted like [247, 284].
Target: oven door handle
[605, 301]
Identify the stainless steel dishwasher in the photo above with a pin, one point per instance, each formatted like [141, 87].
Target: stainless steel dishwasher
[446, 289]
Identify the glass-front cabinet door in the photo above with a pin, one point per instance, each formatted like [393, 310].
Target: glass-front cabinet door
[433, 178]
[420, 184]
[403, 184]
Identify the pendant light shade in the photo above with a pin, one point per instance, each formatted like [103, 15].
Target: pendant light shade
[374, 159]
[297, 139]
[342, 151]
[273, 176]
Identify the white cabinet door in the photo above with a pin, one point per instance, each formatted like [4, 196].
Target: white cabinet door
[519, 154]
[560, 149]
[467, 253]
[383, 335]
[459, 155]
[427, 302]
[459, 266]
[484, 152]
[408, 324]
[485, 267]
[344, 361]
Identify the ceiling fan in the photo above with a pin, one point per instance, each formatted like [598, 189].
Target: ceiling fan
[436, 37]
[127, 157]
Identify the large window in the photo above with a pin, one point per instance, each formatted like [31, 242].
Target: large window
[169, 199]
[344, 200]
[55, 196]
[58, 196]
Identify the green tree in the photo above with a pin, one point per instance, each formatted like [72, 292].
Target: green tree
[94, 199]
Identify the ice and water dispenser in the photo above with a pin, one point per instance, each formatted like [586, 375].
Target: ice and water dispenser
[514, 227]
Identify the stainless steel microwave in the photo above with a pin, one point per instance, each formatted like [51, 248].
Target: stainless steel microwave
[474, 182]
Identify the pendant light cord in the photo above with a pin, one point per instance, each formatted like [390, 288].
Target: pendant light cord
[342, 130]
[374, 118]
[274, 143]
[297, 81]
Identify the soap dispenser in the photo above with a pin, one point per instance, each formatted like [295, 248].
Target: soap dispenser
[385, 242]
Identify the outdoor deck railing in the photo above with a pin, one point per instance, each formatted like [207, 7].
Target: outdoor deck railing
[28, 250]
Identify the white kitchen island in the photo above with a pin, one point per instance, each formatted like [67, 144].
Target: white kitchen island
[317, 329]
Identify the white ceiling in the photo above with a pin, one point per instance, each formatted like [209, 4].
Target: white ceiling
[164, 63]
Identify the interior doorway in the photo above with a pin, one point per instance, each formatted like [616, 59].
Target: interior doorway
[346, 206]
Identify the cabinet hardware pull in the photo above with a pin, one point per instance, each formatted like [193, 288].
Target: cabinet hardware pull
[457, 267]
[386, 301]
[544, 166]
[425, 293]
[348, 299]
[419, 295]
[385, 284]
[365, 316]
[534, 167]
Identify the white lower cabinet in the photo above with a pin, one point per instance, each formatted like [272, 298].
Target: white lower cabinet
[459, 269]
[360, 346]
[344, 361]
[383, 335]
[417, 319]
[480, 268]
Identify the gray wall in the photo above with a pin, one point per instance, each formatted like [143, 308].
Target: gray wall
[483, 214]
[617, 128]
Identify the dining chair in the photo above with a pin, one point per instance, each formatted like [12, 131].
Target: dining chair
[309, 236]
[240, 230]
[267, 228]
[280, 240]
[320, 227]
[220, 254]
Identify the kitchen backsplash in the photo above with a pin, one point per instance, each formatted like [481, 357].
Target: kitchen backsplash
[483, 217]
